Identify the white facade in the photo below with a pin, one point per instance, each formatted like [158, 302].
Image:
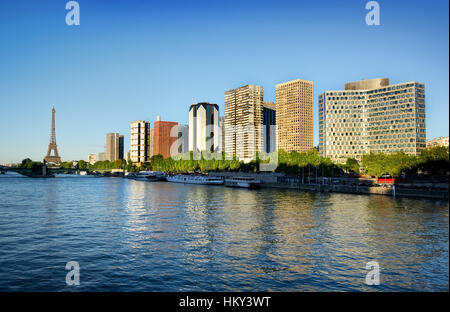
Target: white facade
[204, 127]
[92, 158]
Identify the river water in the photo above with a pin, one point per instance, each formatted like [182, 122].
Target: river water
[157, 236]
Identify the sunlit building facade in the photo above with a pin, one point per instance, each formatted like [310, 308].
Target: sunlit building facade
[222, 134]
[441, 141]
[114, 146]
[244, 122]
[372, 116]
[141, 141]
[204, 131]
[92, 158]
[294, 115]
[165, 138]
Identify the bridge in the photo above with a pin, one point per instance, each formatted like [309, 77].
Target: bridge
[50, 170]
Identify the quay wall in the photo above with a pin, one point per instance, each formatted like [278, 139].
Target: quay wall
[273, 180]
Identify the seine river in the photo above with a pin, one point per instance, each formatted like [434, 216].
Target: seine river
[156, 236]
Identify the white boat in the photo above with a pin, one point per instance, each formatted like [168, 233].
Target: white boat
[146, 176]
[191, 179]
[245, 182]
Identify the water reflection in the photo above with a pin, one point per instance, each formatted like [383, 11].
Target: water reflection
[132, 235]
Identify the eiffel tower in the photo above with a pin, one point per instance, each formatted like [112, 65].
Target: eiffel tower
[52, 145]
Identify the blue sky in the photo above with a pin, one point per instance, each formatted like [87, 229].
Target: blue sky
[131, 60]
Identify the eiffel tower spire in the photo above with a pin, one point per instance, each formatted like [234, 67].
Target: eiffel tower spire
[52, 145]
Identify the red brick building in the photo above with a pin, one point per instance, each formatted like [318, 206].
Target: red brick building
[165, 138]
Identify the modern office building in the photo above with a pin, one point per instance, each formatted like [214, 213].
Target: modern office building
[165, 138]
[204, 127]
[441, 141]
[294, 115]
[114, 146]
[222, 134]
[141, 141]
[111, 148]
[121, 146]
[372, 116]
[269, 122]
[244, 122]
[92, 158]
[183, 139]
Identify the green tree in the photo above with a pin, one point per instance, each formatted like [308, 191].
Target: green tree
[82, 164]
[25, 163]
[352, 166]
[434, 161]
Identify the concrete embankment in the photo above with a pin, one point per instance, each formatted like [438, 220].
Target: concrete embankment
[346, 185]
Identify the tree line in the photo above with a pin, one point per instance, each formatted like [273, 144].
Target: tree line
[430, 161]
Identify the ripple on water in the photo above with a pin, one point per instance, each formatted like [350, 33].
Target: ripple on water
[135, 236]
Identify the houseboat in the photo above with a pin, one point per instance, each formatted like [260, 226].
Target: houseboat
[245, 182]
[149, 176]
[192, 179]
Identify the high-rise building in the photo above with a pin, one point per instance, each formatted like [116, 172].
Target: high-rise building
[92, 158]
[294, 115]
[372, 116]
[165, 138]
[244, 122]
[121, 146]
[441, 141]
[269, 121]
[114, 146]
[151, 142]
[222, 134]
[141, 141]
[204, 127]
[183, 139]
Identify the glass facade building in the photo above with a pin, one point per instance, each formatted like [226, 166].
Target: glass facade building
[269, 121]
[372, 116]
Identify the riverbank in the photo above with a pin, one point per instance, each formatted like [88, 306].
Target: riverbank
[425, 189]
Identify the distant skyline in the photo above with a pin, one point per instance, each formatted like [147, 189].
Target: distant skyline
[135, 60]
